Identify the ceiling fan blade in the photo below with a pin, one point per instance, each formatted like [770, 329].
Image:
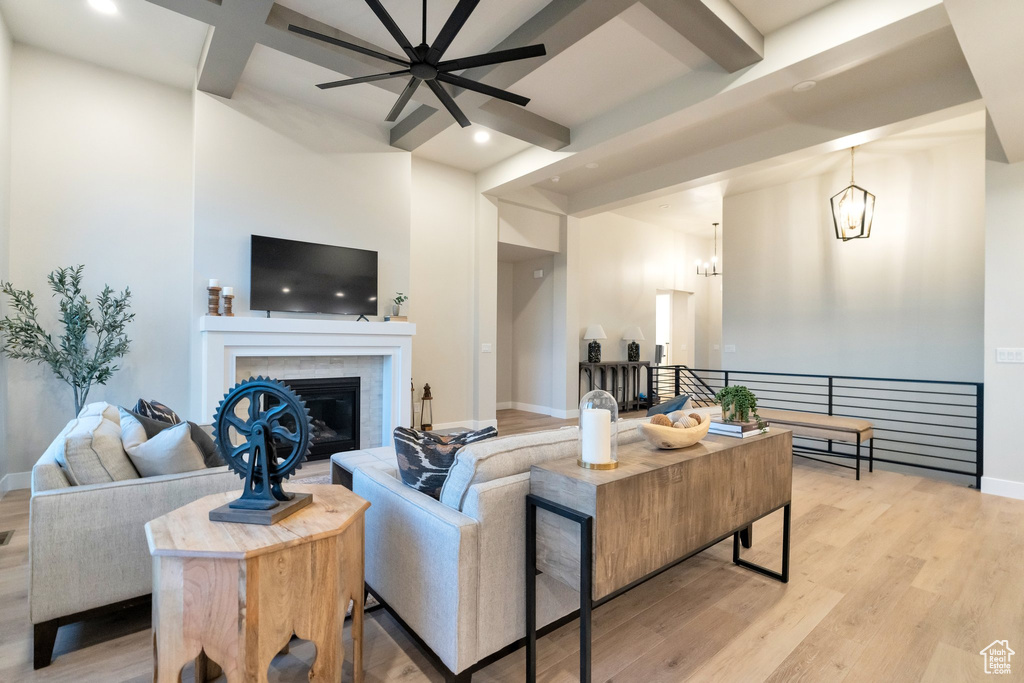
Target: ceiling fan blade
[392, 28]
[451, 28]
[482, 88]
[403, 99]
[498, 57]
[448, 103]
[362, 79]
[345, 44]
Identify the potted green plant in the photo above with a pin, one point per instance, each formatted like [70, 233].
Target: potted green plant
[396, 308]
[71, 357]
[739, 405]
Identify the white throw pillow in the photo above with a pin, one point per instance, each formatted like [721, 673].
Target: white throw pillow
[171, 451]
[89, 451]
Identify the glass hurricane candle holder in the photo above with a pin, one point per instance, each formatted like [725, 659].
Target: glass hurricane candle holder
[599, 431]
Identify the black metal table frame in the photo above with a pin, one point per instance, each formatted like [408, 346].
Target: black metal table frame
[587, 603]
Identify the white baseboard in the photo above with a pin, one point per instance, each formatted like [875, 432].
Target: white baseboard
[467, 424]
[566, 414]
[1002, 487]
[541, 410]
[15, 480]
[504, 405]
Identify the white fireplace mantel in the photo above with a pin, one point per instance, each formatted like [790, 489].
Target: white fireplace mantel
[225, 339]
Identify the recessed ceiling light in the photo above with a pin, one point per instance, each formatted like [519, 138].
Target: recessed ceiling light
[481, 136]
[804, 86]
[593, 164]
[103, 6]
[555, 178]
[665, 206]
[285, 290]
[339, 294]
[373, 298]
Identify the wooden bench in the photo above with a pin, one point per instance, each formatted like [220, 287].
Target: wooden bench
[827, 427]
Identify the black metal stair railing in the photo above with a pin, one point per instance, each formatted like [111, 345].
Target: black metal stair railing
[933, 425]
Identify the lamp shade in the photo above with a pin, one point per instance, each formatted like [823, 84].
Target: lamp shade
[595, 332]
[633, 334]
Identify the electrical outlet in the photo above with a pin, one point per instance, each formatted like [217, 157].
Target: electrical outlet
[538, 274]
[729, 348]
[1004, 355]
[485, 348]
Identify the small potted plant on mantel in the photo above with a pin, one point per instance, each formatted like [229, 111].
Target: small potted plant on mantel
[739, 405]
[396, 307]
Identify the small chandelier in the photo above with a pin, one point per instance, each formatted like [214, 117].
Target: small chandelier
[710, 269]
[853, 209]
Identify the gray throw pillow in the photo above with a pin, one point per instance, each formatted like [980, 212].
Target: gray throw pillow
[425, 458]
[171, 451]
[211, 456]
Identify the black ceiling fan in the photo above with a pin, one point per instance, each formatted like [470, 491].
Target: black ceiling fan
[424, 61]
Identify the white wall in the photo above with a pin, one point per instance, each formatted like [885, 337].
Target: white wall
[532, 334]
[503, 343]
[906, 303]
[5, 224]
[102, 176]
[251, 179]
[1004, 327]
[623, 263]
[441, 288]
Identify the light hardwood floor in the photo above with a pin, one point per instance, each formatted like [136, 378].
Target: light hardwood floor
[894, 578]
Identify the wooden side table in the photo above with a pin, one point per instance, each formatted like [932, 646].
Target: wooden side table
[235, 593]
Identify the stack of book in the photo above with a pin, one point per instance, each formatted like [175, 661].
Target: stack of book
[739, 430]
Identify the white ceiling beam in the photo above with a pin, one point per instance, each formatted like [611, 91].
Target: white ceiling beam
[990, 36]
[716, 27]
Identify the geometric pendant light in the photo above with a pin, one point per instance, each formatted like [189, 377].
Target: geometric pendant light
[711, 269]
[853, 210]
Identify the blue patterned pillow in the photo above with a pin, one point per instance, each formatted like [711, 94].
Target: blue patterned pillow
[155, 410]
[425, 458]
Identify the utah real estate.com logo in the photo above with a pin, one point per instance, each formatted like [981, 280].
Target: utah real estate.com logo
[997, 657]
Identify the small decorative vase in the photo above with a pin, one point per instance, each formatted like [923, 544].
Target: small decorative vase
[594, 352]
[396, 310]
[598, 433]
[633, 352]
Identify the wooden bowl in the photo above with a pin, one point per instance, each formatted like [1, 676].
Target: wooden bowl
[672, 437]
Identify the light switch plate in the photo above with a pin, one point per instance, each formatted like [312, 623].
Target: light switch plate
[485, 348]
[538, 274]
[1005, 355]
[729, 348]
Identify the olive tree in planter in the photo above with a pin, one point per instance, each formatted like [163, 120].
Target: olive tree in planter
[739, 405]
[92, 339]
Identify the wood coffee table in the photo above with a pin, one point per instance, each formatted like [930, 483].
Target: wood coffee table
[607, 531]
[235, 593]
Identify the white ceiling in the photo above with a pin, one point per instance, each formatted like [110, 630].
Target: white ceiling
[631, 54]
[694, 209]
[770, 15]
[141, 39]
[456, 147]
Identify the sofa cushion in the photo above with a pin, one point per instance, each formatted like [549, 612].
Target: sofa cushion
[155, 410]
[504, 457]
[89, 451]
[101, 409]
[170, 451]
[424, 458]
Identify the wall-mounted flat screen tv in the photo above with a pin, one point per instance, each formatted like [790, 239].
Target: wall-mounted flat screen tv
[312, 278]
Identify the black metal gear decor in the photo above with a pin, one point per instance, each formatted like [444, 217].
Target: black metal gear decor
[265, 447]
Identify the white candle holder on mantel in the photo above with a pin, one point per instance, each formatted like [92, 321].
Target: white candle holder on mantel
[599, 431]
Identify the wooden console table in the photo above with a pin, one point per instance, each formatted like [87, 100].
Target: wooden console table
[607, 531]
[620, 374]
[235, 593]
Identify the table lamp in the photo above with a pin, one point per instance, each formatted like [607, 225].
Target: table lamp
[633, 335]
[593, 333]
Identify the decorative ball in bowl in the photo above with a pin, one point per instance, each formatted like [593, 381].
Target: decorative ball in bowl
[677, 430]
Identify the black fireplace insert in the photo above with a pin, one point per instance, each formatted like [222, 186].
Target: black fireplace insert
[333, 404]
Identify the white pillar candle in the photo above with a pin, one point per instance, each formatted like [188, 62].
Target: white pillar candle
[596, 429]
[214, 283]
[228, 291]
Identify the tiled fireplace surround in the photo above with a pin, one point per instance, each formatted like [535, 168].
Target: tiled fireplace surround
[380, 354]
[369, 370]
